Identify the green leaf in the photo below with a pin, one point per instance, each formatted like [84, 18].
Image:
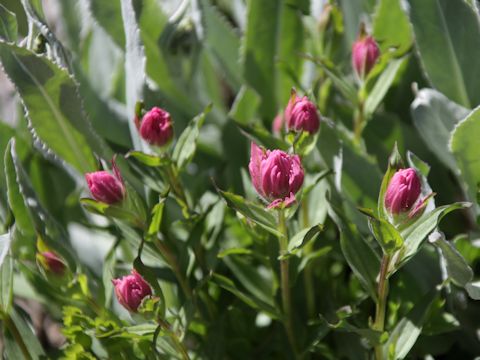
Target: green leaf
[258, 51]
[134, 66]
[8, 25]
[230, 286]
[187, 142]
[447, 34]
[24, 332]
[289, 60]
[15, 198]
[6, 274]
[33, 214]
[435, 116]
[252, 211]
[148, 159]
[258, 285]
[382, 84]
[154, 28]
[415, 234]
[408, 329]
[386, 234]
[245, 105]
[156, 219]
[109, 15]
[464, 146]
[301, 238]
[107, 274]
[473, 290]
[222, 41]
[361, 258]
[456, 266]
[53, 107]
[391, 28]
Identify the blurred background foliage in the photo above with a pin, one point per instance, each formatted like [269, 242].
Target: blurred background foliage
[73, 71]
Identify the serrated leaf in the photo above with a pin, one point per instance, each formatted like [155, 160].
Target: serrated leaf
[32, 211]
[222, 41]
[187, 142]
[14, 196]
[54, 109]
[252, 211]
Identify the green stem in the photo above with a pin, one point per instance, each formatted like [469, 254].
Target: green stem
[358, 121]
[381, 305]
[285, 282]
[10, 324]
[172, 261]
[177, 186]
[178, 344]
[308, 272]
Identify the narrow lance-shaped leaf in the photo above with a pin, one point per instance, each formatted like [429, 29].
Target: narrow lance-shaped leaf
[6, 273]
[8, 25]
[252, 211]
[187, 142]
[464, 146]
[53, 107]
[362, 259]
[408, 329]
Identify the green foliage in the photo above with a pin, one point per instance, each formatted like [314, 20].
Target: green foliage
[332, 275]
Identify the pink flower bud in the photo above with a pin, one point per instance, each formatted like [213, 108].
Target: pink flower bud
[276, 175]
[106, 187]
[301, 115]
[156, 127]
[365, 53]
[403, 191]
[131, 290]
[52, 263]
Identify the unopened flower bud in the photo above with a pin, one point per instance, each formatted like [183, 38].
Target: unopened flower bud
[365, 53]
[156, 127]
[402, 191]
[276, 175]
[131, 290]
[52, 262]
[301, 115]
[106, 187]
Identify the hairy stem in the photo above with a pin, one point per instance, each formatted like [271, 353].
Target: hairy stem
[379, 323]
[285, 281]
